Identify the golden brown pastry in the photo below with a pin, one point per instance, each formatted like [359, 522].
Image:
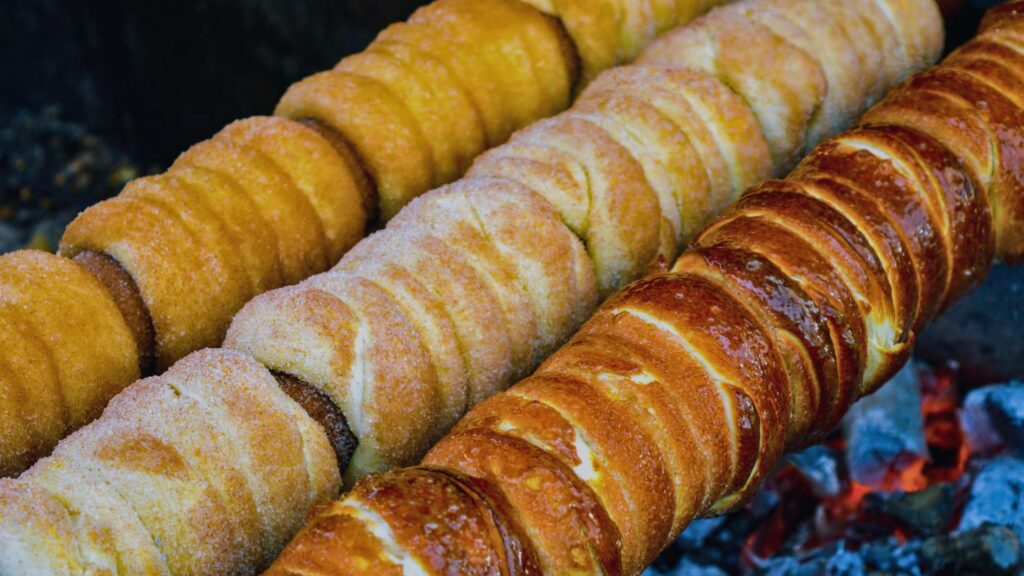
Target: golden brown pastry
[233, 217]
[457, 77]
[65, 350]
[610, 32]
[465, 291]
[684, 389]
[269, 201]
[473, 284]
[243, 462]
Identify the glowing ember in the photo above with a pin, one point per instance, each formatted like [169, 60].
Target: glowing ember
[919, 513]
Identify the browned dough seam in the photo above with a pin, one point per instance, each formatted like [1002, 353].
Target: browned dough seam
[126, 295]
[350, 156]
[325, 412]
[129, 301]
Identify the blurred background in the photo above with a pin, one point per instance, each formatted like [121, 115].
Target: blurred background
[93, 93]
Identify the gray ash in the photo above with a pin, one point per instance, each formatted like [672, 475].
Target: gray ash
[936, 494]
[50, 170]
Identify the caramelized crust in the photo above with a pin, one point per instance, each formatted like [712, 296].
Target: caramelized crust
[463, 539]
[317, 551]
[519, 555]
[561, 515]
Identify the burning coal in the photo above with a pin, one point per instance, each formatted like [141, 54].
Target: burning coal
[921, 478]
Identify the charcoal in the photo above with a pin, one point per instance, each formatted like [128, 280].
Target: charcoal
[884, 431]
[698, 532]
[765, 501]
[993, 417]
[981, 332]
[890, 556]
[845, 562]
[705, 542]
[832, 560]
[997, 496]
[820, 466]
[925, 513]
[785, 565]
[685, 568]
[985, 550]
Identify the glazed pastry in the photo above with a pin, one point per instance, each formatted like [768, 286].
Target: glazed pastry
[684, 389]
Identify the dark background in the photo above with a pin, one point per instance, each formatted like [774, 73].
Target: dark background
[155, 76]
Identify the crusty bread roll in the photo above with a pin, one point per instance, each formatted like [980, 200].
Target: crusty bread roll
[207, 469]
[684, 389]
[66, 350]
[982, 71]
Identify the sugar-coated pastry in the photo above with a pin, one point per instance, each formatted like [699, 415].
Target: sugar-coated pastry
[458, 76]
[646, 155]
[462, 293]
[473, 284]
[267, 201]
[207, 469]
[610, 32]
[66, 350]
[270, 201]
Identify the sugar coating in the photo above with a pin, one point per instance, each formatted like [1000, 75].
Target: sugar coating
[67, 351]
[210, 468]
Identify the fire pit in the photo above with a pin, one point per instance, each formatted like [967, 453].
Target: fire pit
[924, 477]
